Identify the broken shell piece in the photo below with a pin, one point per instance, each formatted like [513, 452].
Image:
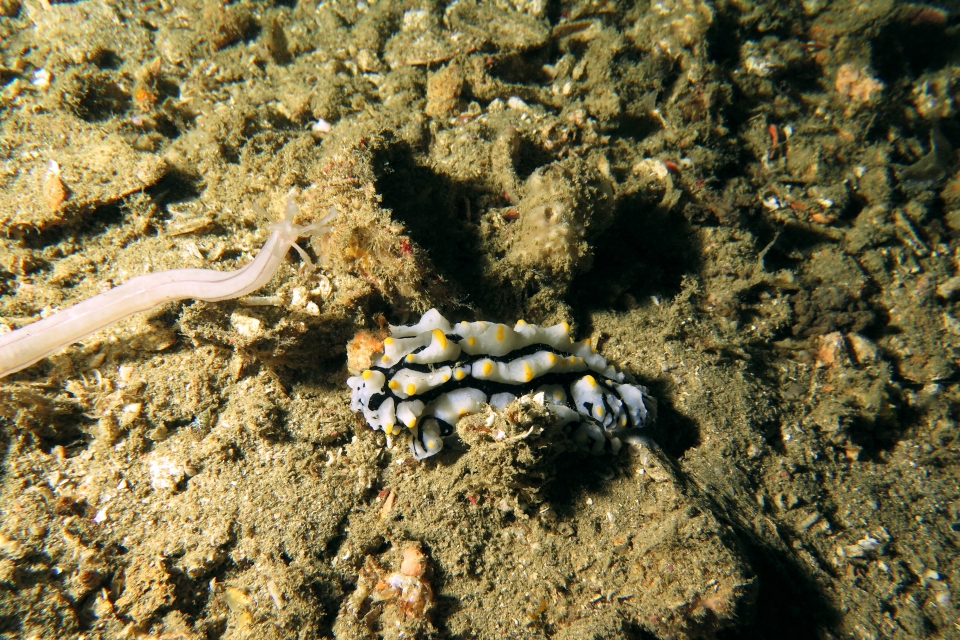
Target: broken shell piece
[864, 351]
[236, 599]
[770, 201]
[324, 287]
[650, 167]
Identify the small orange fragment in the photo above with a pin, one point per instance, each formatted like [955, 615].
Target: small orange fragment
[54, 190]
[361, 349]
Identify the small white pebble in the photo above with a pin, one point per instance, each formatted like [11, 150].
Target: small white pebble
[41, 79]
[299, 297]
[125, 372]
[246, 326]
[516, 103]
[165, 473]
[321, 126]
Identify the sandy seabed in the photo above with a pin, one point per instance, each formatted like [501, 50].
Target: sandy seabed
[751, 206]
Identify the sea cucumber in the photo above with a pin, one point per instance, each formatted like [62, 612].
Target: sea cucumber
[25, 346]
[432, 373]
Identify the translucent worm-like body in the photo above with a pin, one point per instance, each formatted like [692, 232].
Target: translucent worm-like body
[25, 346]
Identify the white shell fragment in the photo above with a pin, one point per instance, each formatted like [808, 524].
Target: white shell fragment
[433, 373]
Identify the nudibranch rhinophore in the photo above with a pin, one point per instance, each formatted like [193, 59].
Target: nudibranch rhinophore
[432, 373]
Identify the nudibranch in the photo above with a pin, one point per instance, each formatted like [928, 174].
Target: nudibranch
[432, 373]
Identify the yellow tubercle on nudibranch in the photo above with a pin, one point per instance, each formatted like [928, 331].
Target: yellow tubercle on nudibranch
[527, 372]
[436, 373]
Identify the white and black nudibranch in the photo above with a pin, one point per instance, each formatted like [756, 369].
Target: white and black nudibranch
[432, 373]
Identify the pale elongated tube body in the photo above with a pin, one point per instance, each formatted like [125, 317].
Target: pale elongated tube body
[25, 346]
